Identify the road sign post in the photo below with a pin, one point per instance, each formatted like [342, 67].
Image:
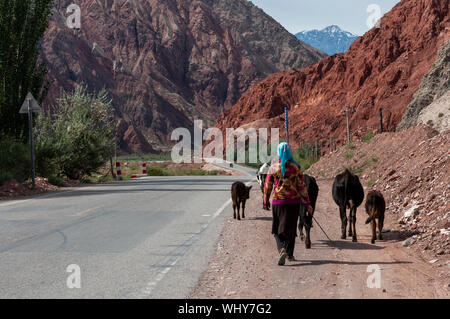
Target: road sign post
[286, 123]
[30, 106]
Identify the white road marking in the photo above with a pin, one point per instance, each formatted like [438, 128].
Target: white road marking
[159, 276]
[87, 211]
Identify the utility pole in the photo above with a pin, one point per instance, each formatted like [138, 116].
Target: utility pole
[348, 112]
[381, 120]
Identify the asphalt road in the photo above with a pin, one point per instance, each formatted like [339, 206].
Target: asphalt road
[148, 238]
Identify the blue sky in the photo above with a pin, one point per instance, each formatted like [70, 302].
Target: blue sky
[299, 15]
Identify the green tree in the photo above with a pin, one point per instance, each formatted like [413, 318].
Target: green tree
[78, 137]
[22, 25]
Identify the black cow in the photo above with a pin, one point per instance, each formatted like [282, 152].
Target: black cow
[239, 194]
[375, 208]
[348, 193]
[305, 219]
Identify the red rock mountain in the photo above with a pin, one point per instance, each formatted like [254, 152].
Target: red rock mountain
[167, 62]
[382, 69]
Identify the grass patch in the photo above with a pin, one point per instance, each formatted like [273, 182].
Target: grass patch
[145, 157]
[351, 146]
[349, 155]
[371, 182]
[357, 170]
[374, 159]
[165, 171]
[369, 136]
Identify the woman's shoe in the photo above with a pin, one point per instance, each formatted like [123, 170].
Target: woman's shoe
[282, 258]
[291, 258]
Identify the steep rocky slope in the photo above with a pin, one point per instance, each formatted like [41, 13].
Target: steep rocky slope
[412, 169]
[167, 62]
[382, 69]
[429, 105]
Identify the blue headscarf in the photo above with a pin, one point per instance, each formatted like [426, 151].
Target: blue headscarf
[285, 154]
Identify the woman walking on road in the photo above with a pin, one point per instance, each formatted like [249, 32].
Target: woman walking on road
[289, 193]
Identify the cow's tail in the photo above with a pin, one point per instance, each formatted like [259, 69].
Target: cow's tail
[345, 191]
[371, 216]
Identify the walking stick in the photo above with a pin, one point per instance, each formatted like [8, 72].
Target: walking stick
[321, 228]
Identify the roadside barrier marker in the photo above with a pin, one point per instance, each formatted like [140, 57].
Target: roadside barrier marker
[144, 168]
[118, 171]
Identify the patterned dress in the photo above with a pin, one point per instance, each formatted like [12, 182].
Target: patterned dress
[289, 193]
[290, 189]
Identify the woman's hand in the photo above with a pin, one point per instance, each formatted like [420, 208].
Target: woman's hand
[266, 206]
[310, 210]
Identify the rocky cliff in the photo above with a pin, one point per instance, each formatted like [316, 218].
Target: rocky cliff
[382, 69]
[431, 103]
[167, 62]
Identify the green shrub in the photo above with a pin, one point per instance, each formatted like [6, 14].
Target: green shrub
[305, 156]
[5, 176]
[348, 155]
[368, 137]
[57, 181]
[158, 171]
[14, 160]
[374, 159]
[78, 137]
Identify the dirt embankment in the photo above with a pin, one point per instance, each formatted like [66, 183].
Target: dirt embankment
[245, 263]
[412, 170]
[13, 188]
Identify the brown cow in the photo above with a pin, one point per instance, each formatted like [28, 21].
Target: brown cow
[239, 194]
[375, 207]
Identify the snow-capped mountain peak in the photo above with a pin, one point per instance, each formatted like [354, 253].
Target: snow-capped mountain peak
[330, 40]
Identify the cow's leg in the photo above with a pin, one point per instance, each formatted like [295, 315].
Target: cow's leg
[380, 227]
[350, 219]
[373, 224]
[343, 220]
[353, 212]
[234, 209]
[308, 224]
[243, 208]
[301, 223]
[238, 210]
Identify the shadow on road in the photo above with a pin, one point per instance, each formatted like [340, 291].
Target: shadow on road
[261, 218]
[343, 262]
[349, 245]
[135, 190]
